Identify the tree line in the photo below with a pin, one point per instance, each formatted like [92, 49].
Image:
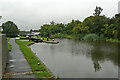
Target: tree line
[96, 26]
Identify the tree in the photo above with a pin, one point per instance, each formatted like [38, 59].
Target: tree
[45, 30]
[52, 23]
[22, 33]
[98, 11]
[80, 29]
[31, 30]
[10, 29]
[71, 25]
[99, 22]
[117, 25]
[108, 30]
[95, 23]
[89, 22]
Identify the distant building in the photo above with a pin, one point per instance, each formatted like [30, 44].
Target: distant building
[119, 7]
[33, 33]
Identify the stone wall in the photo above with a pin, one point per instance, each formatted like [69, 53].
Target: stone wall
[3, 54]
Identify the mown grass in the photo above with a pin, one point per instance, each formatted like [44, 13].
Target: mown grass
[33, 60]
[8, 44]
[42, 74]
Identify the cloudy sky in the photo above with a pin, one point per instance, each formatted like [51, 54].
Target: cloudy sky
[31, 14]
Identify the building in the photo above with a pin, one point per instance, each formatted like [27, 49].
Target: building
[119, 7]
[33, 33]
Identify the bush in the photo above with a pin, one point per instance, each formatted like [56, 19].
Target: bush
[78, 37]
[58, 35]
[102, 37]
[91, 37]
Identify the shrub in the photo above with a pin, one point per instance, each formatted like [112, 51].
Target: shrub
[78, 37]
[91, 37]
[58, 35]
[102, 37]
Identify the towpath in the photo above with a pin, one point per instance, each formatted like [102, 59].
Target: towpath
[17, 63]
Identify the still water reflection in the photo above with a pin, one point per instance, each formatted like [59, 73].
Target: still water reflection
[78, 59]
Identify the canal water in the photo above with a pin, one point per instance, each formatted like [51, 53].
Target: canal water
[79, 59]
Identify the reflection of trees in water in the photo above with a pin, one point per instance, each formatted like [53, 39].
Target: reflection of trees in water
[98, 52]
[80, 48]
[98, 55]
[97, 66]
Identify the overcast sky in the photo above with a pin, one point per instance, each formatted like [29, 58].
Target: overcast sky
[31, 14]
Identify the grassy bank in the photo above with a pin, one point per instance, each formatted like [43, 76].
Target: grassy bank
[33, 60]
[8, 44]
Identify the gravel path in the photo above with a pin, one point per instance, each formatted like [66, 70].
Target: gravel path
[17, 62]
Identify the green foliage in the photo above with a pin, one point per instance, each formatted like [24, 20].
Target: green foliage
[80, 29]
[113, 40]
[91, 37]
[48, 30]
[102, 37]
[99, 22]
[117, 25]
[60, 36]
[10, 29]
[95, 23]
[69, 27]
[31, 30]
[43, 75]
[98, 11]
[78, 37]
[33, 60]
[108, 31]
[22, 32]
[101, 25]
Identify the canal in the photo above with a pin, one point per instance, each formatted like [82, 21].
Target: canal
[79, 59]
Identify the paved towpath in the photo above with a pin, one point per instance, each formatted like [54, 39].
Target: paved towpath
[17, 62]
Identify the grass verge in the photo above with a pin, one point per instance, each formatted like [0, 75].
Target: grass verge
[33, 60]
[8, 44]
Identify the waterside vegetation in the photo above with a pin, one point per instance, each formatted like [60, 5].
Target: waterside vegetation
[96, 27]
